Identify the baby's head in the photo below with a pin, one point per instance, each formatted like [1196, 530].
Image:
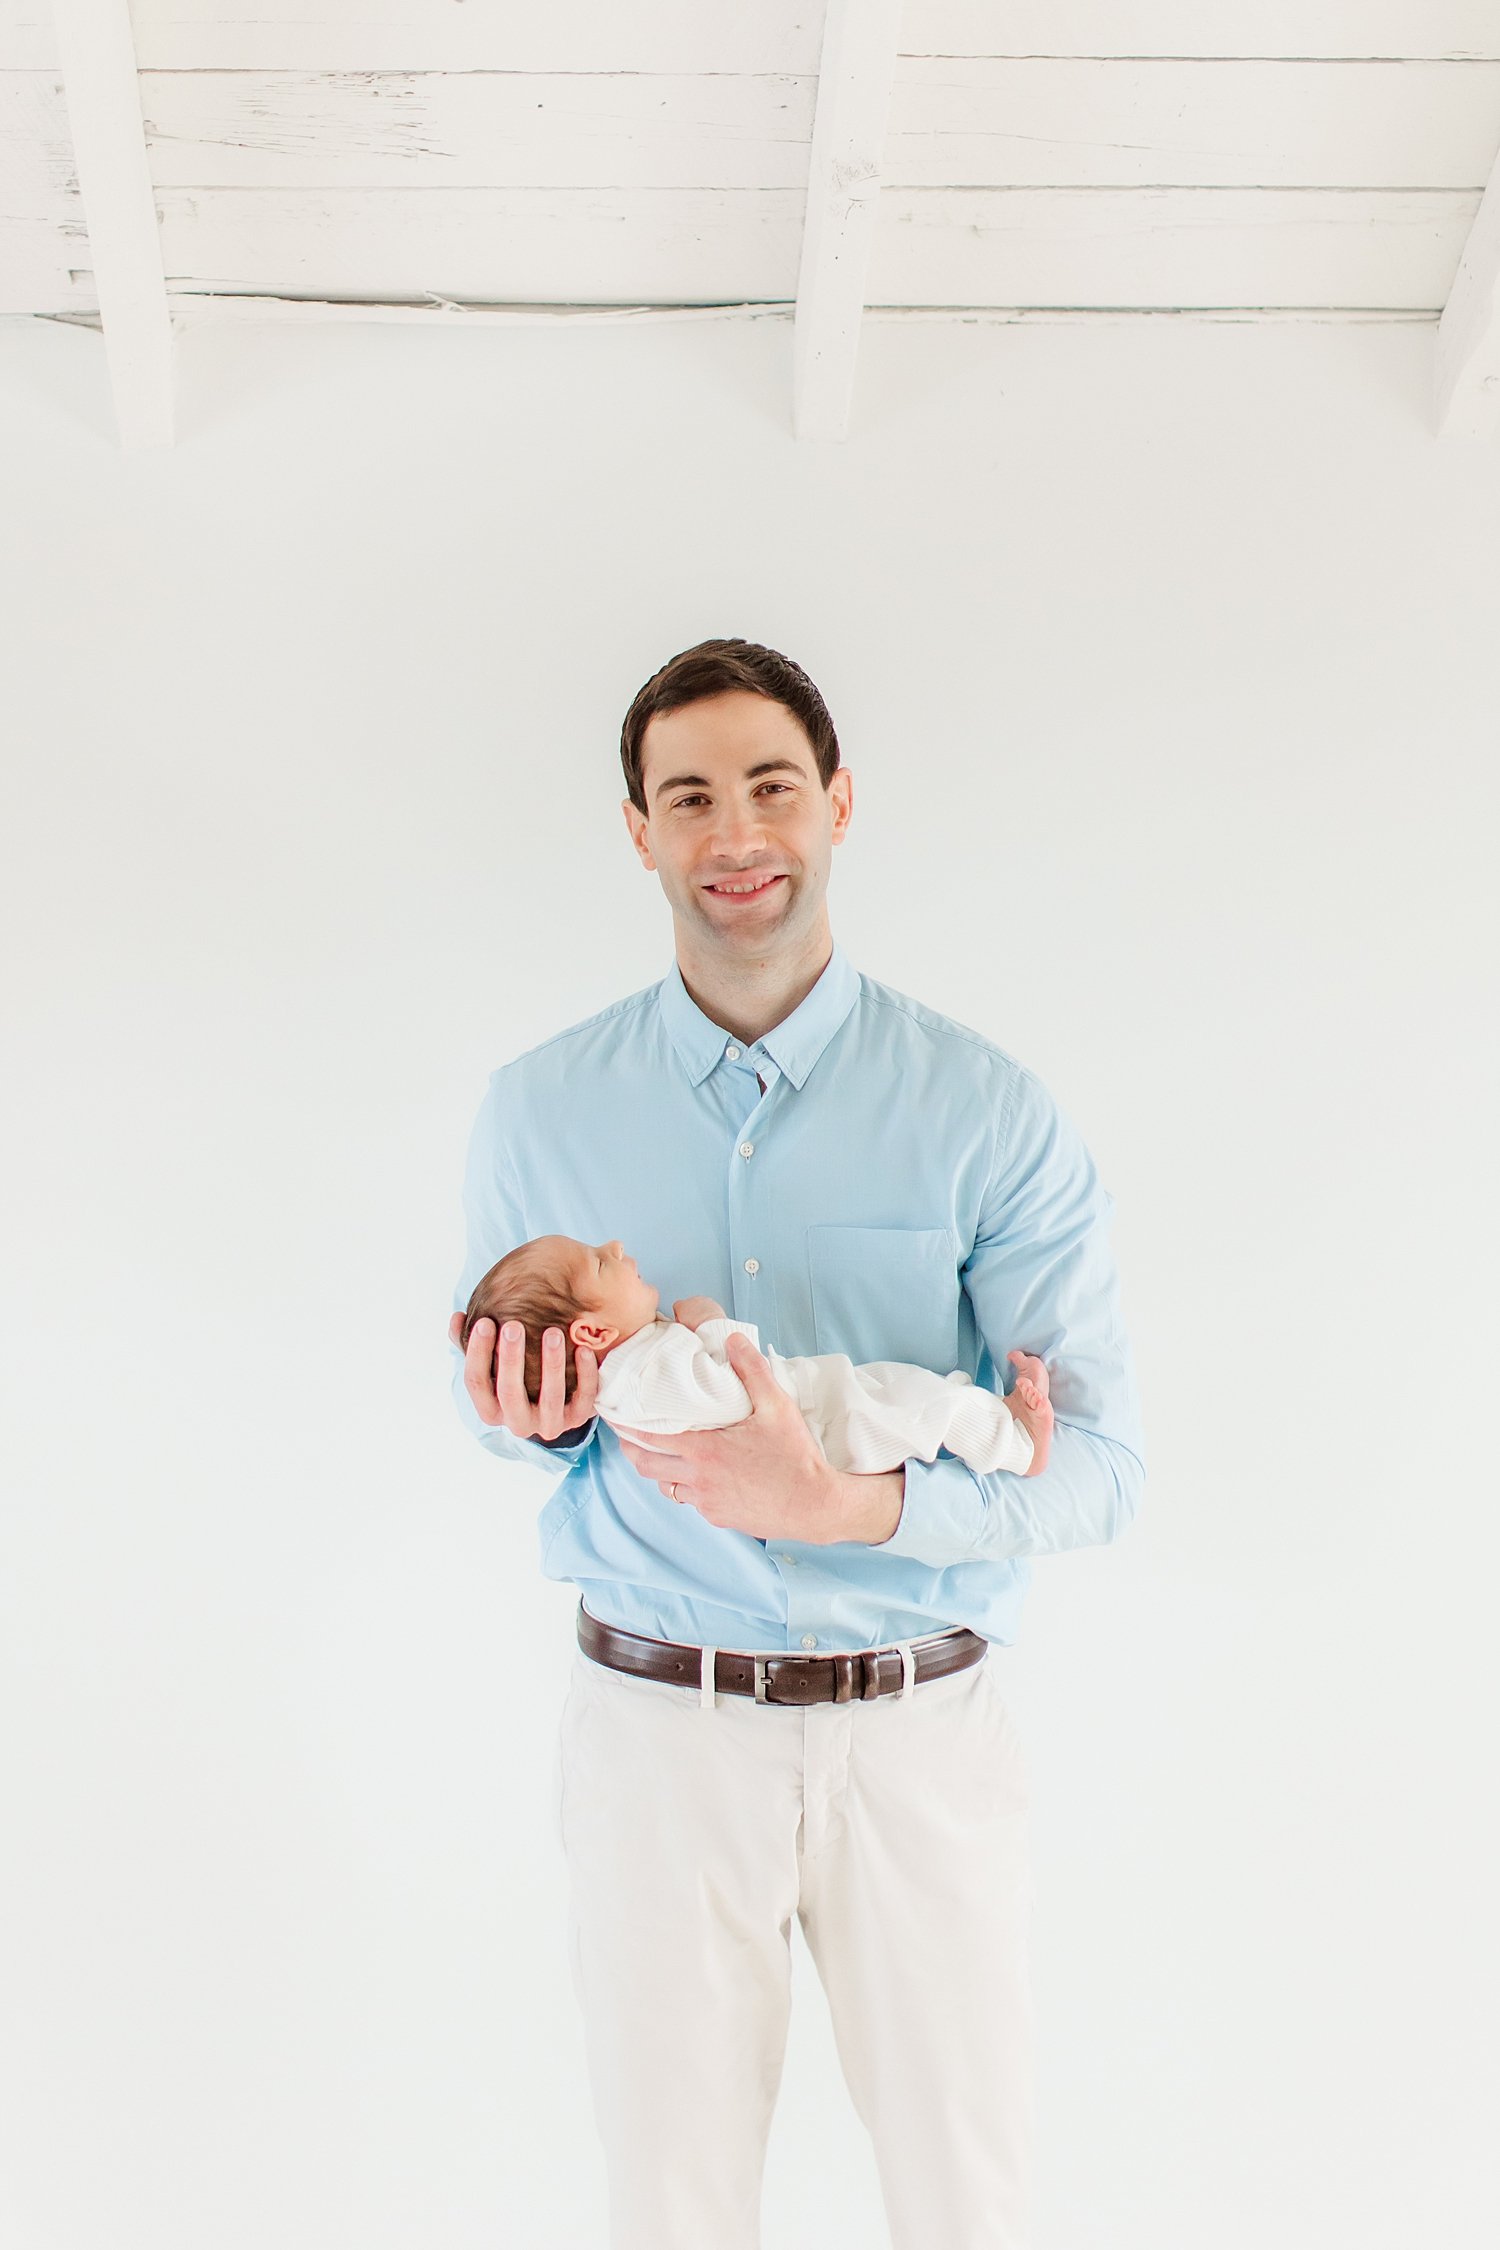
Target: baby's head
[592, 1292]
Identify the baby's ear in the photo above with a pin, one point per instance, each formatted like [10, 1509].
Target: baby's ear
[594, 1335]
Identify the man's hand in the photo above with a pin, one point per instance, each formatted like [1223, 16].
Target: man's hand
[767, 1476]
[691, 1312]
[495, 1379]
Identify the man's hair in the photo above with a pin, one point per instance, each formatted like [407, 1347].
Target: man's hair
[520, 1287]
[713, 668]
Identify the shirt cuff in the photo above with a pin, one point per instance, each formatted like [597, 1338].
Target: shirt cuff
[570, 1441]
[941, 1516]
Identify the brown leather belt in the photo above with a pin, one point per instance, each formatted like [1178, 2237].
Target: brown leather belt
[852, 1675]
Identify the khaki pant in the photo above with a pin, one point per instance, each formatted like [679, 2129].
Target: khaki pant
[896, 1831]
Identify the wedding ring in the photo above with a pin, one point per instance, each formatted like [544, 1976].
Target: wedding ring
[671, 1492]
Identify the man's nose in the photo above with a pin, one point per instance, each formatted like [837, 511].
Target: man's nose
[737, 831]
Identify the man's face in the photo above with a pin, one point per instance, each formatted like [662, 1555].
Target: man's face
[733, 799]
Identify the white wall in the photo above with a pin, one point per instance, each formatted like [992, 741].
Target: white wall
[1164, 660]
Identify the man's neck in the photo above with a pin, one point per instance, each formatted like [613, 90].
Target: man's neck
[750, 998]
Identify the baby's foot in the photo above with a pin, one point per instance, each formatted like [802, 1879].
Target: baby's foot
[1031, 1405]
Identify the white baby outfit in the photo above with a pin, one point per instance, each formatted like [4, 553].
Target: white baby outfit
[666, 1378]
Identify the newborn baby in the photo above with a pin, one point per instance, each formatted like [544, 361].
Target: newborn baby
[668, 1375]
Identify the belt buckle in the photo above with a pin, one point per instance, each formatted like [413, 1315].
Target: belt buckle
[760, 1680]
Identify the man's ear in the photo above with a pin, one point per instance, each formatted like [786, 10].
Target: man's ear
[635, 821]
[594, 1335]
[841, 790]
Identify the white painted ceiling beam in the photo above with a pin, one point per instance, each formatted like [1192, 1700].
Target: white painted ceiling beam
[1467, 366]
[97, 55]
[843, 184]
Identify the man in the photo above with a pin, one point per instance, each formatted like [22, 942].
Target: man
[857, 1174]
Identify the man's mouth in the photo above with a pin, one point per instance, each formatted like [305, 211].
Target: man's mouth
[744, 886]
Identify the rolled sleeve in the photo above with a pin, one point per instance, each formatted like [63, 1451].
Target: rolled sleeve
[1041, 1278]
[495, 1223]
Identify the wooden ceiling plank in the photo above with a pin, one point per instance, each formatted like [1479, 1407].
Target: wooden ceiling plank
[40, 269]
[1466, 369]
[37, 179]
[974, 122]
[1247, 30]
[114, 181]
[44, 253]
[843, 186]
[192, 310]
[979, 122]
[1064, 249]
[609, 246]
[566, 35]
[774, 35]
[1138, 249]
[419, 129]
[28, 40]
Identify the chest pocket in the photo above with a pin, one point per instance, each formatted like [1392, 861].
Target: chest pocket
[886, 1293]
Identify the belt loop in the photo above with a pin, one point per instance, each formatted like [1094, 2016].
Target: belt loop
[706, 1680]
[908, 1669]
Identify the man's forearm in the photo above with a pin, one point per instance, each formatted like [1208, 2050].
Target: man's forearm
[1085, 1497]
[867, 1508]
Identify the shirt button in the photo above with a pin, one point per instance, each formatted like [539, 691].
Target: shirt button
[747, 1148]
[733, 1053]
[752, 1265]
[809, 1640]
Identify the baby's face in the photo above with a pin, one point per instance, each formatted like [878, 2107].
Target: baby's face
[601, 1276]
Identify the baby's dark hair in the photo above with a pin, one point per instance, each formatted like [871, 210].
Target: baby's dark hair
[521, 1287]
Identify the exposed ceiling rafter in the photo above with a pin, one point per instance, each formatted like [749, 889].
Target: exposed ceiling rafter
[1467, 365]
[843, 184]
[97, 53]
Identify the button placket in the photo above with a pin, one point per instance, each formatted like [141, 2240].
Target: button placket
[800, 1639]
[753, 1301]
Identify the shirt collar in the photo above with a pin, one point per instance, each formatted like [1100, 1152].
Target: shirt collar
[794, 1045]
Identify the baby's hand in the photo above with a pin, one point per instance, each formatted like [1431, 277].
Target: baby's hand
[1030, 1401]
[691, 1312]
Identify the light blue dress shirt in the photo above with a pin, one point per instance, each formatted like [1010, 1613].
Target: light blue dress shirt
[901, 1189]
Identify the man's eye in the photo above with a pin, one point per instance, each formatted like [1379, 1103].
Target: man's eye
[681, 804]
